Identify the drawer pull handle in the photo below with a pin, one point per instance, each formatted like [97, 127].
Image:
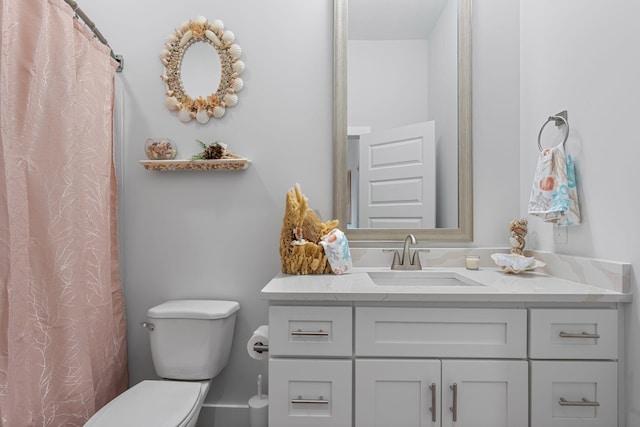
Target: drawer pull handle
[300, 400]
[454, 408]
[583, 402]
[319, 333]
[432, 387]
[582, 335]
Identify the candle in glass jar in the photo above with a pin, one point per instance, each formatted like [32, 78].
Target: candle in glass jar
[472, 262]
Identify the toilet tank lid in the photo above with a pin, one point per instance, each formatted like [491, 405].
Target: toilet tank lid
[193, 309]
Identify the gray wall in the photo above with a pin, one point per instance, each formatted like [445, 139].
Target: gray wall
[590, 67]
[216, 234]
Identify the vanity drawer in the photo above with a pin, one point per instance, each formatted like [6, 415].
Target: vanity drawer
[441, 332]
[574, 394]
[310, 393]
[573, 334]
[310, 331]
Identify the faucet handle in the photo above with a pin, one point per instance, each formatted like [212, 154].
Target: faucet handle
[396, 257]
[416, 257]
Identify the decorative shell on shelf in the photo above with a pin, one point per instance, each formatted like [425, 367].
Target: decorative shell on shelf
[202, 106]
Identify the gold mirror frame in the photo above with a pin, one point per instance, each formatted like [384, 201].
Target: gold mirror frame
[202, 107]
[464, 232]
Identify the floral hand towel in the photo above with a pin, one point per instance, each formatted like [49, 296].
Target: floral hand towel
[554, 195]
[336, 247]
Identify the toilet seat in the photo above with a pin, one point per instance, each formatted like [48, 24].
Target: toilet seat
[154, 404]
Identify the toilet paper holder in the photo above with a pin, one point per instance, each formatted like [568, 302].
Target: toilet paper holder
[260, 348]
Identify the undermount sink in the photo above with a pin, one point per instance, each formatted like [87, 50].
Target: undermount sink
[420, 278]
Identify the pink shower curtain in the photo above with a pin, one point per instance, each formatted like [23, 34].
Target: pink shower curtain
[62, 323]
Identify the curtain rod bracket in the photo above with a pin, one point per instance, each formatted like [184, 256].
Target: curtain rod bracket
[120, 60]
[92, 26]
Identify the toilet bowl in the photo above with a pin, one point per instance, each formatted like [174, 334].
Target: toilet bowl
[190, 344]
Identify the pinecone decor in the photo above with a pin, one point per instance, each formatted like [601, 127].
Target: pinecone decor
[213, 151]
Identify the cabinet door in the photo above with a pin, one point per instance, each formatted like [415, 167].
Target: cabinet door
[310, 393]
[574, 394]
[397, 393]
[485, 393]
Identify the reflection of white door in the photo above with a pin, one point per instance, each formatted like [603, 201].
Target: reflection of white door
[398, 177]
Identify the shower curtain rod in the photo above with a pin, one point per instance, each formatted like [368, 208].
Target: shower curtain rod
[92, 26]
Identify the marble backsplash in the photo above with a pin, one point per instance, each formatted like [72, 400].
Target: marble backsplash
[610, 275]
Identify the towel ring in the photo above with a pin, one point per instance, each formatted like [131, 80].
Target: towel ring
[560, 118]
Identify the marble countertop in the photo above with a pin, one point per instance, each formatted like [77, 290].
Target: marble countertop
[495, 286]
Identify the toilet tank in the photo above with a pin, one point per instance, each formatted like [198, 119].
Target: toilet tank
[191, 339]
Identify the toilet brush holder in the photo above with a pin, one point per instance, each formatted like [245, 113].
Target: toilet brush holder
[259, 408]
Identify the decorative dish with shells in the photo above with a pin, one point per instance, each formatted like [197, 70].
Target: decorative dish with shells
[516, 264]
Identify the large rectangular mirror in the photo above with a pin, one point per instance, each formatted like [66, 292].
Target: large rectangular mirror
[402, 119]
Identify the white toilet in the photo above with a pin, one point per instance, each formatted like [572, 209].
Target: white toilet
[190, 345]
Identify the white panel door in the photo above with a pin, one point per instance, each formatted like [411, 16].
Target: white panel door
[397, 393]
[485, 393]
[398, 177]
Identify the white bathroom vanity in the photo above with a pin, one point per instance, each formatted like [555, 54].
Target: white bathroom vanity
[458, 348]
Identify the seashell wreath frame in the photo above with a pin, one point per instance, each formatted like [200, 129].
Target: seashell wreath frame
[215, 104]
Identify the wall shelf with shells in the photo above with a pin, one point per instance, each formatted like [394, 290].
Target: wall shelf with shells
[161, 153]
[233, 163]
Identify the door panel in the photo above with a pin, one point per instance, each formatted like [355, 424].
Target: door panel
[398, 177]
[397, 393]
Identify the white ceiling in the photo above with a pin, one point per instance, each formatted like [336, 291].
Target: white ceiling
[392, 19]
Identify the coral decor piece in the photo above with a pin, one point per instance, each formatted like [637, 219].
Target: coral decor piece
[518, 230]
[302, 231]
[190, 106]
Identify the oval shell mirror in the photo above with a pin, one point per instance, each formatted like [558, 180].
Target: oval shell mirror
[202, 106]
